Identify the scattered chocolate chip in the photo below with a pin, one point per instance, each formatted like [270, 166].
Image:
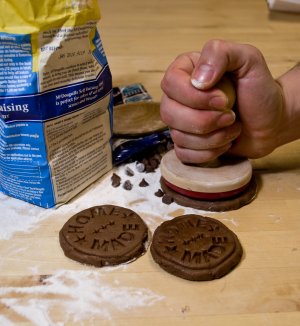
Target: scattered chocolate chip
[161, 148]
[153, 163]
[170, 146]
[157, 157]
[149, 168]
[159, 193]
[145, 161]
[127, 185]
[129, 172]
[140, 167]
[116, 180]
[166, 199]
[143, 183]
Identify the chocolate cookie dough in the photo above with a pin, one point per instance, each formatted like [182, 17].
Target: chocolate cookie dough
[104, 235]
[195, 248]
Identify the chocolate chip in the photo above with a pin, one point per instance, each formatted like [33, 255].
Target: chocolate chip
[143, 183]
[116, 180]
[153, 163]
[140, 167]
[127, 185]
[129, 172]
[161, 148]
[170, 146]
[157, 157]
[145, 161]
[166, 199]
[159, 193]
[149, 168]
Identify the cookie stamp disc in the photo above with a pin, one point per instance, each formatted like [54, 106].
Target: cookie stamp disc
[196, 248]
[229, 174]
[104, 235]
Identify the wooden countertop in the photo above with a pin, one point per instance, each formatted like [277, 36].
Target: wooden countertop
[40, 286]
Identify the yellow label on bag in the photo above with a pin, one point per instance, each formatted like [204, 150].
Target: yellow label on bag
[27, 17]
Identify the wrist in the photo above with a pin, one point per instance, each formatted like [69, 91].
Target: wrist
[289, 129]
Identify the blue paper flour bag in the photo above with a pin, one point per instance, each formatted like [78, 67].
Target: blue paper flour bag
[55, 100]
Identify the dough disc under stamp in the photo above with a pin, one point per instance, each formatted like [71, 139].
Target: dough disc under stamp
[227, 185]
[223, 205]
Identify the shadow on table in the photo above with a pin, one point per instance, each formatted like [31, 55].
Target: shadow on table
[284, 16]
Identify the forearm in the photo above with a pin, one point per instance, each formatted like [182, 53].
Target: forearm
[290, 85]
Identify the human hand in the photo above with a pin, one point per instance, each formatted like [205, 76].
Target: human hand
[195, 110]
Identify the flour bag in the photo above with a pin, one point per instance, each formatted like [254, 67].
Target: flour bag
[55, 100]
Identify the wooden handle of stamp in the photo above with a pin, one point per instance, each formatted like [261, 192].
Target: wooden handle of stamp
[226, 85]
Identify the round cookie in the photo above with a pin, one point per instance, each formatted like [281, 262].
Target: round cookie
[221, 205]
[104, 235]
[195, 247]
[227, 174]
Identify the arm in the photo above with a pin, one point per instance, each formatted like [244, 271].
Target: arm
[290, 127]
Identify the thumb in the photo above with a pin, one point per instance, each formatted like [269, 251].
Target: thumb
[204, 75]
[211, 65]
[218, 57]
[209, 73]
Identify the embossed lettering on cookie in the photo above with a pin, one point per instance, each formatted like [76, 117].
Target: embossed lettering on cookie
[195, 248]
[104, 235]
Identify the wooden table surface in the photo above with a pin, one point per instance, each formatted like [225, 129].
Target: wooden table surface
[40, 286]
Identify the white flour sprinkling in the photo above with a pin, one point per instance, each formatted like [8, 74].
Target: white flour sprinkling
[19, 216]
[231, 220]
[275, 218]
[5, 321]
[79, 294]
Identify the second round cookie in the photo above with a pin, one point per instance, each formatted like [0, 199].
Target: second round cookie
[195, 247]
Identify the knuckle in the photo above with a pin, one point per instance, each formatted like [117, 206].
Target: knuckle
[165, 82]
[180, 56]
[176, 136]
[254, 53]
[216, 44]
[165, 114]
